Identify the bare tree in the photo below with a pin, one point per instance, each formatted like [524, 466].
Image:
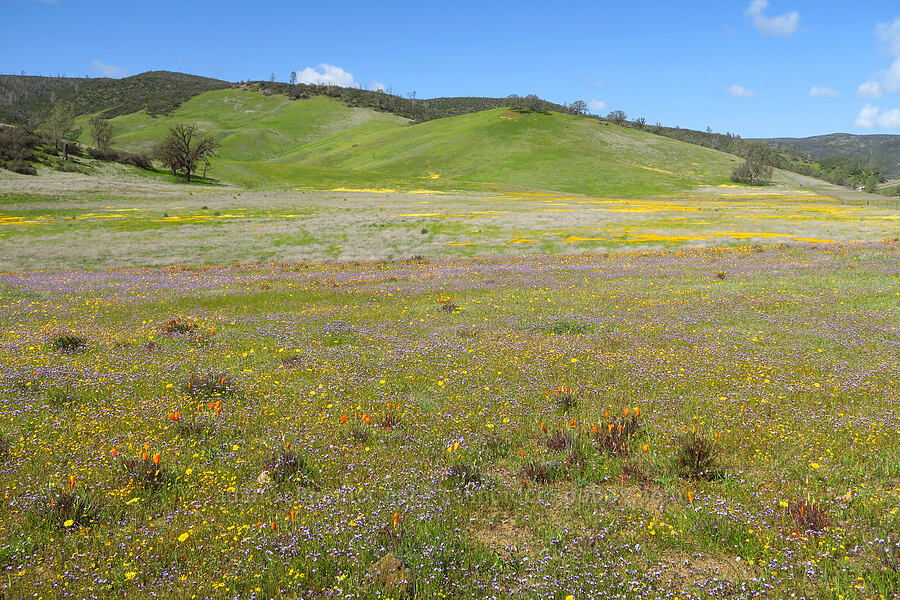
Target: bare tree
[640, 123]
[293, 77]
[272, 77]
[532, 102]
[101, 131]
[185, 148]
[579, 107]
[617, 116]
[58, 123]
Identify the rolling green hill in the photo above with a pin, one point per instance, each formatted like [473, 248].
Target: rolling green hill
[528, 150]
[249, 125]
[269, 140]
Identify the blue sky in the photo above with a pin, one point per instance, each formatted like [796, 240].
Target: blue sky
[753, 67]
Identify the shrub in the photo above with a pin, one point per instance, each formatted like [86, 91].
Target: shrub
[17, 144]
[808, 516]
[21, 167]
[141, 161]
[68, 342]
[360, 433]
[82, 509]
[565, 398]
[287, 466]
[560, 440]
[753, 172]
[696, 457]
[447, 305]
[209, 384]
[541, 472]
[147, 473]
[464, 474]
[390, 420]
[61, 396]
[179, 326]
[496, 445]
[614, 437]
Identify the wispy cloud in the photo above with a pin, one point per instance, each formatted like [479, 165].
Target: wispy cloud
[377, 86]
[595, 106]
[739, 91]
[819, 91]
[869, 89]
[107, 70]
[329, 74]
[889, 36]
[782, 25]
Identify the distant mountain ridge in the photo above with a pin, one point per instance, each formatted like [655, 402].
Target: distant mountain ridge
[878, 150]
[23, 98]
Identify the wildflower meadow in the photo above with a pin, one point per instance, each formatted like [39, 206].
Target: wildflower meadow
[683, 423]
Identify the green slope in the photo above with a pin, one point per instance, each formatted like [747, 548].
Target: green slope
[273, 141]
[523, 150]
[250, 126]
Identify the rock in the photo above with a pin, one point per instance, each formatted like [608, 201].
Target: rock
[264, 478]
[394, 574]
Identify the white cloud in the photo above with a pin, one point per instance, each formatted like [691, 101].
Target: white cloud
[818, 91]
[377, 86]
[892, 77]
[595, 106]
[889, 119]
[869, 89]
[739, 91]
[782, 25]
[867, 116]
[330, 75]
[108, 70]
[870, 117]
[889, 36]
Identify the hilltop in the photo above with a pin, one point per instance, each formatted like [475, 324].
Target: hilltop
[26, 98]
[322, 137]
[320, 142]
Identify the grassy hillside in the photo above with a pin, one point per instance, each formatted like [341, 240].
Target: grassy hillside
[269, 140]
[524, 150]
[250, 126]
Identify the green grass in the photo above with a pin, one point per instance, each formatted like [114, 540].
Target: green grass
[161, 224]
[526, 151]
[785, 367]
[250, 126]
[271, 141]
